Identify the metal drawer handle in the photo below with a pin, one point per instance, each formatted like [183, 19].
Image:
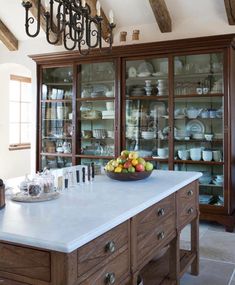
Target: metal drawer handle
[190, 210]
[190, 193]
[110, 247]
[110, 278]
[161, 235]
[161, 212]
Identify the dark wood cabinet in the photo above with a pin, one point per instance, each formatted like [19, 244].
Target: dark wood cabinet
[171, 101]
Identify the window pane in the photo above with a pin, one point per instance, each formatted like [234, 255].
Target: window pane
[25, 92]
[14, 90]
[25, 112]
[14, 114]
[25, 133]
[14, 133]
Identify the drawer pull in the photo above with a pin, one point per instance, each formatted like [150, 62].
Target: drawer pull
[110, 247]
[110, 278]
[190, 210]
[161, 235]
[161, 212]
[190, 193]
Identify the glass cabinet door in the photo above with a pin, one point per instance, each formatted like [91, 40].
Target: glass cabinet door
[96, 112]
[199, 122]
[56, 117]
[146, 110]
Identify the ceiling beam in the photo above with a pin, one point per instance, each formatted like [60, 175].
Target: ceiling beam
[105, 22]
[8, 39]
[162, 15]
[34, 12]
[230, 11]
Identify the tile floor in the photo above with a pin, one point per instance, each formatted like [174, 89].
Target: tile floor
[217, 256]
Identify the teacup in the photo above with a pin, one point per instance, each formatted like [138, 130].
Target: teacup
[195, 153]
[110, 106]
[217, 156]
[207, 155]
[162, 152]
[184, 154]
[208, 137]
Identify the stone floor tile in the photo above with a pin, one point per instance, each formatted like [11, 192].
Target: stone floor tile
[217, 245]
[211, 273]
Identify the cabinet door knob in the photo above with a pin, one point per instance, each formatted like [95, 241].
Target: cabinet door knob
[190, 193]
[161, 235]
[161, 212]
[110, 278]
[190, 210]
[110, 246]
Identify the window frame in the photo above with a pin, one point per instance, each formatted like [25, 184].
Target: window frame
[27, 145]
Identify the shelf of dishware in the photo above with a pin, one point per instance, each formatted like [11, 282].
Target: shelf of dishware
[198, 74]
[145, 97]
[56, 138]
[56, 154]
[201, 96]
[179, 161]
[57, 101]
[58, 83]
[95, 82]
[92, 99]
[108, 157]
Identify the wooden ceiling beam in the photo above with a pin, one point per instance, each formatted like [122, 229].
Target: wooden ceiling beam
[105, 22]
[7, 38]
[162, 15]
[230, 11]
[34, 12]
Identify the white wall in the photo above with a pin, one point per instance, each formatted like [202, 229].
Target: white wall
[13, 163]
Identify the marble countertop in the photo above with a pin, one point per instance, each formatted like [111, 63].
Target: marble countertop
[83, 213]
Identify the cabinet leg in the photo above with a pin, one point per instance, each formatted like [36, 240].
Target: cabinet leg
[195, 245]
[174, 260]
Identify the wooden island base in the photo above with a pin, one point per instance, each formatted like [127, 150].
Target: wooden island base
[120, 255]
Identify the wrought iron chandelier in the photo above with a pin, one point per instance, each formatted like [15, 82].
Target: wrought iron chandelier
[74, 24]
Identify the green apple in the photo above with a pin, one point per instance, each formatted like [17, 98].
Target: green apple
[125, 153]
[141, 161]
[124, 170]
[131, 169]
[148, 166]
[133, 155]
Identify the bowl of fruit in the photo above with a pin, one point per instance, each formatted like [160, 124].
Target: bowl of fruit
[128, 167]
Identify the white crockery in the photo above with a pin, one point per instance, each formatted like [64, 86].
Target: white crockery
[195, 154]
[207, 155]
[162, 152]
[184, 154]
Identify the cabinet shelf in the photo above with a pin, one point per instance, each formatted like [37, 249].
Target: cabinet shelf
[210, 185]
[95, 139]
[197, 74]
[145, 97]
[198, 162]
[67, 120]
[91, 99]
[57, 101]
[197, 140]
[56, 154]
[202, 96]
[58, 84]
[100, 82]
[94, 156]
[56, 138]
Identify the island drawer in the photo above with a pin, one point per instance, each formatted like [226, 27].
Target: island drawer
[103, 249]
[152, 217]
[18, 260]
[112, 273]
[187, 203]
[159, 236]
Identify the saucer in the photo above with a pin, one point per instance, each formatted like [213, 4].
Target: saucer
[218, 183]
[161, 157]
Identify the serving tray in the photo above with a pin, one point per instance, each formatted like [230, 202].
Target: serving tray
[21, 197]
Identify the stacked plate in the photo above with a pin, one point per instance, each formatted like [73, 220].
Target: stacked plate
[162, 86]
[205, 199]
[138, 91]
[108, 114]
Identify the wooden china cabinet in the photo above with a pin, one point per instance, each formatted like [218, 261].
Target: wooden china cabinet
[171, 101]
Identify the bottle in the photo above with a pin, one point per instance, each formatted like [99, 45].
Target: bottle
[2, 194]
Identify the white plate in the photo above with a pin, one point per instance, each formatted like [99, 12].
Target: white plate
[145, 67]
[144, 74]
[195, 126]
[21, 197]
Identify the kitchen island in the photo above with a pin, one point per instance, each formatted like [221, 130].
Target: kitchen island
[105, 232]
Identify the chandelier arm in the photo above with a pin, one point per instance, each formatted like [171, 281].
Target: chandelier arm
[77, 26]
[67, 35]
[83, 51]
[48, 30]
[30, 20]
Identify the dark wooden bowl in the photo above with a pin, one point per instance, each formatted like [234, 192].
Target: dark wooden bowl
[128, 176]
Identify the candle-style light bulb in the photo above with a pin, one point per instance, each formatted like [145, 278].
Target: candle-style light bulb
[98, 8]
[83, 3]
[47, 5]
[111, 16]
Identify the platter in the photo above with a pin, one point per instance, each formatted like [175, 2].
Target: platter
[195, 126]
[21, 197]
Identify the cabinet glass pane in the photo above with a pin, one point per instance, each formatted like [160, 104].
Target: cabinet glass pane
[98, 163]
[210, 184]
[57, 83]
[57, 127]
[97, 80]
[96, 110]
[146, 108]
[53, 162]
[198, 74]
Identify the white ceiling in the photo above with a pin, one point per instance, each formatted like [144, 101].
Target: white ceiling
[189, 17]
